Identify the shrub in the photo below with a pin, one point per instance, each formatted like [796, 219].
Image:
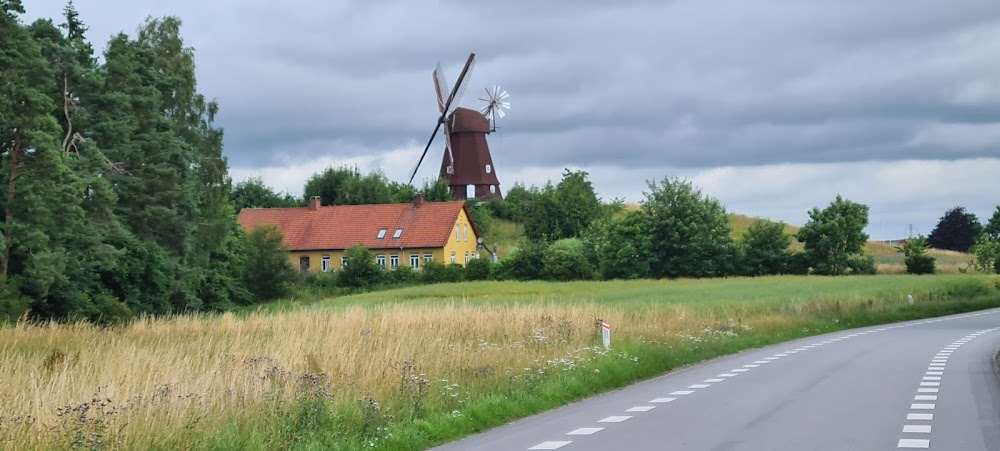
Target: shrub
[619, 248]
[565, 260]
[361, 269]
[987, 252]
[478, 269]
[401, 275]
[525, 263]
[916, 258]
[798, 263]
[861, 264]
[436, 272]
[12, 304]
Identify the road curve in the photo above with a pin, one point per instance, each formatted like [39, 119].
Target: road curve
[925, 384]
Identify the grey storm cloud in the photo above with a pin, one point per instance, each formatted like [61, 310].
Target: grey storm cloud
[691, 83]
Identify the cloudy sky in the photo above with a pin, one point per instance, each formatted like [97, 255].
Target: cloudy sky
[771, 106]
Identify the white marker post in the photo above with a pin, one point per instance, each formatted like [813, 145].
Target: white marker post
[606, 334]
[909, 297]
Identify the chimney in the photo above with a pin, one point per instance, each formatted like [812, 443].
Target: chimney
[418, 200]
[314, 203]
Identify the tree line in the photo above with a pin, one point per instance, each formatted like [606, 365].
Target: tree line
[118, 195]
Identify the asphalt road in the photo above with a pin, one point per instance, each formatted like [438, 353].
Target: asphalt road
[924, 384]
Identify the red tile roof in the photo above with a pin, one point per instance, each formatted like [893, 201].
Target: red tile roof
[340, 227]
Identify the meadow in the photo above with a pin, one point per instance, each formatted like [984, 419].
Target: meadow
[412, 367]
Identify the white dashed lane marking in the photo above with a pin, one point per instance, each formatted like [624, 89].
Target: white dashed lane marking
[550, 445]
[932, 378]
[914, 443]
[641, 409]
[930, 382]
[615, 419]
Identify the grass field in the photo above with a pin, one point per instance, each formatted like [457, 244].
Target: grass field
[410, 368]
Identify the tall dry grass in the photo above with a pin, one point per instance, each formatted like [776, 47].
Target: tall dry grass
[157, 380]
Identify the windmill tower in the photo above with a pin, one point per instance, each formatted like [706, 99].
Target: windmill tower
[466, 163]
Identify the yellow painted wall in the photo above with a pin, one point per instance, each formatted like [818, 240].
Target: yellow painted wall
[466, 243]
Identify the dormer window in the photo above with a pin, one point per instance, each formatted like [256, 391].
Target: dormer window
[489, 169]
[381, 234]
[398, 233]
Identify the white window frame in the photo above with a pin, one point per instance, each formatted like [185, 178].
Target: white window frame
[415, 261]
[343, 261]
[325, 263]
[465, 232]
[398, 233]
[380, 260]
[493, 189]
[381, 234]
[466, 258]
[428, 257]
[457, 233]
[454, 258]
[489, 169]
[393, 261]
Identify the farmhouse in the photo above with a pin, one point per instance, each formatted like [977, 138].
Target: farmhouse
[398, 234]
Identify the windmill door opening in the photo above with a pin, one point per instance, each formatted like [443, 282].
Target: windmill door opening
[470, 191]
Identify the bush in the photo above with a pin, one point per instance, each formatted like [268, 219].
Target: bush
[619, 248]
[361, 270]
[525, 263]
[478, 269]
[565, 260]
[919, 264]
[401, 275]
[797, 264]
[916, 258]
[436, 272]
[987, 252]
[861, 264]
[12, 304]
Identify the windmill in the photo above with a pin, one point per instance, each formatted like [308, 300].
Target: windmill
[466, 163]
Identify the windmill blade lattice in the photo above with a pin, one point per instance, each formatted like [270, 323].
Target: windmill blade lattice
[496, 103]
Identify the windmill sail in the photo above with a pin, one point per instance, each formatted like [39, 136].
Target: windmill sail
[446, 107]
